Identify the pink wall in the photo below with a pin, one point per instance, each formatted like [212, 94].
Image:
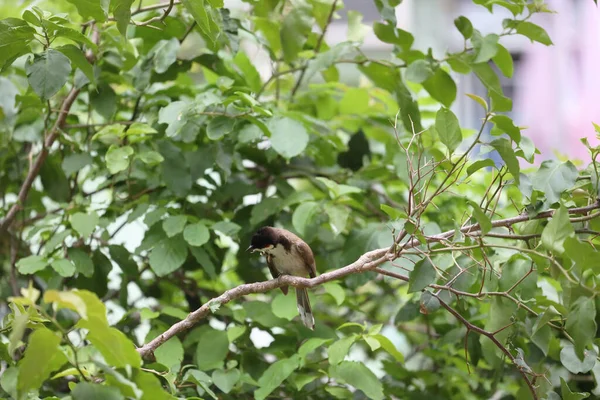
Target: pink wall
[559, 95]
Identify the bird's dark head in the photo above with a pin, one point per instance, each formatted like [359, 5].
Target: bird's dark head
[264, 239]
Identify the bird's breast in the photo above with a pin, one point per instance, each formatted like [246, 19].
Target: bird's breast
[288, 263]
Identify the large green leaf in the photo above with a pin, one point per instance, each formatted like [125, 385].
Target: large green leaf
[15, 35]
[274, 376]
[294, 31]
[288, 136]
[212, 348]
[42, 357]
[358, 375]
[448, 129]
[581, 324]
[48, 72]
[94, 9]
[557, 231]
[168, 255]
[554, 177]
[422, 275]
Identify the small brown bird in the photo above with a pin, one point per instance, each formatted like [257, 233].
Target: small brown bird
[287, 254]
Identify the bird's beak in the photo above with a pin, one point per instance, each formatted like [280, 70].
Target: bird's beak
[250, 249]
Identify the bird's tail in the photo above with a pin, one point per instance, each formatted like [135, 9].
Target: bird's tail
[304, 309]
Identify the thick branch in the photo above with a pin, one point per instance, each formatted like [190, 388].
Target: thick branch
[368, 261]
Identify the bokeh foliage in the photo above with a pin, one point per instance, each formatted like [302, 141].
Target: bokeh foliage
[155, 116]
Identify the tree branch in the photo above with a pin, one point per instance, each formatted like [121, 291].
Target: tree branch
[317, 47]
[37, 165]
[368, 261]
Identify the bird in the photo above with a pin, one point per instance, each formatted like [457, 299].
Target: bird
[287, 254]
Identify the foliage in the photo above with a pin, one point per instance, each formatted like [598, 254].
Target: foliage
[160, 149]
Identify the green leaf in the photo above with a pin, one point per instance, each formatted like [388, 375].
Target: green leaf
[338, 217]
[64, 267]
[226, 380]
[83, 262]
[484, 221]
[464, 26]
[569, 359]
[504, 148]
[151, 157]
[336, 291]
[534, 32]
[75, 162]
[91, 391]
[419, 71]
[447, 127]
[506, 125]
[553, 178]
[48, 72]
[121, 10]
[355, 101]
[164, 54]
[392, 212]
[110, 134]
[339, 349]
[422, 275]
[356, 29]
[226, 227]
[359, 376]
[212, 348]
[205, 18]
[248, 70]
[42, 357]
[311, 345]
[477, 165]
[295, 29]
[31, 264]
[84, 224]
[170, 353]
[153, 389]
[504, 62]
[15, 34]
[196, 234]
[558, 229]
[19, 324]
[115, 347]
[485, 47]
[388, 33]
[174, 224]
[264, 209]
[566, 393]
[479, 100]
[117, 158]
[284, 306]
[54, 180]
[303, 215]
[389, 347]
[490, 80]
[92, 9]
[288, 136]
[78, 59]
[326, 59]
[441, 87]
[583, 253]
[274, 376]
[168, 255]
[581, 324]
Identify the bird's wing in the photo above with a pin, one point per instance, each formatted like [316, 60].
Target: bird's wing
[308, 258]
[274, 272]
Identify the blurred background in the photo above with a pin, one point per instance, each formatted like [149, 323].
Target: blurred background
[555, 89]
